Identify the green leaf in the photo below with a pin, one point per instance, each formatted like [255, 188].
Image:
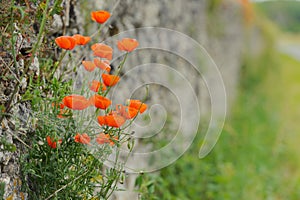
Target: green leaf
[2, 187]
[139, 181]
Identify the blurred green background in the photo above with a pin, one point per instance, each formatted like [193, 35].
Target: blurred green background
[258, 153]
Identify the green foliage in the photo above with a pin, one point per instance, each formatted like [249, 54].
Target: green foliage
[7, 146]
[286, 14]
[71, 170]
[57, 8]
[213, 5]
[2, 187]
[147, 186]
[67, 172]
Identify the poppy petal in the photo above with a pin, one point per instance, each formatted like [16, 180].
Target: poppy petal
[110, 80]
[114, 120]
[51, 143]
[65, 42]
[99, 101]
[101, 120]
[102, 50]
[96, 85]
[102, 64]
[82, 138]
[102, 138]
[81, 40]
[111, 120]
[100, 16]
[127, 44]
[88, 65]
[137, 104]
[76, 102]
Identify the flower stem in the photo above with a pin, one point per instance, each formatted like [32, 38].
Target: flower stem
[41, 31]
[58, 64]
[118, 72]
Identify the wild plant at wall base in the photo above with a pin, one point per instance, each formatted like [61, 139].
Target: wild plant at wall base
[77, 130]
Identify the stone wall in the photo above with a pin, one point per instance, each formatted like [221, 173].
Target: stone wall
[18, 122]
[219, 30]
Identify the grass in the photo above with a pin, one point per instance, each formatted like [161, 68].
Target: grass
[256, 156]
[288, 137]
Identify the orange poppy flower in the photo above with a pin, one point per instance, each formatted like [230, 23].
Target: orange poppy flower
[137, 104]
[111, 120]
[52, 143]
[81, 40]
[102, 51]
[131, 112]
[99, 101]
[127, 44]
[126, 111]
[100, 16]
[82, 138]
[66, 42]
[101, 120]
[114, 120]
[76, 102]
[110, 80]
[96, 85]
[102, 138]
[102, 64]
[88, 65]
